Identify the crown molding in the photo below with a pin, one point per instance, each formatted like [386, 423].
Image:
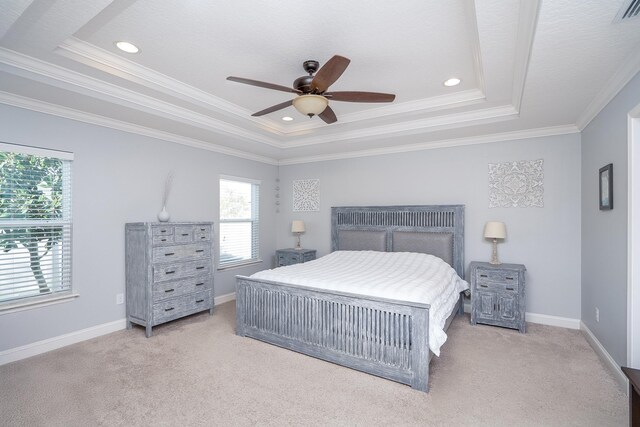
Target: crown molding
[629, 69]
[108, 62]
[472, 140]
[103, 60]
[476, 51]
[28, 67]
[94, 119]
[430, 124]
[527, 23]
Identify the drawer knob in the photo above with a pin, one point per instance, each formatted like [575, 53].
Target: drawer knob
[199, 250]
[168, 290]
[509, 278]
[509, 288]
[169, 254]
[200, 284]
[169, 272]
[168, 309]
[483, 275]
[483, 286]
[185, 234]
[200, 268]
[163, 231]
[163, 240]
[199, 300]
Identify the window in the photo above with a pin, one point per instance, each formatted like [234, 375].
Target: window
[35, 223]
[239, 226]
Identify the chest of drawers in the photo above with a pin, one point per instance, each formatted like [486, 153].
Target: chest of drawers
[294, 256]
[498, 295]
[169, 271]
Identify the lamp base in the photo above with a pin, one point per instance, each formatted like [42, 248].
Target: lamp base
[298, 247]
[494, 253]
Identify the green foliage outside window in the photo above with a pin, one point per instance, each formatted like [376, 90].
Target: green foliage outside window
[30, 191]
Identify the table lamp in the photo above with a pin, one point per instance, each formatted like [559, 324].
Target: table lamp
[495, 230]
[297, 228]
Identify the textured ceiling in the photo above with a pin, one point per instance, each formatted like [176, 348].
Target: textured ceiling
[528, 67]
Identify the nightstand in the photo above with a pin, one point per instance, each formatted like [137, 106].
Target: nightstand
[294, 256]
[498, 294]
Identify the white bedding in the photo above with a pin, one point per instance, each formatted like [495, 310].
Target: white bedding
[405, 276]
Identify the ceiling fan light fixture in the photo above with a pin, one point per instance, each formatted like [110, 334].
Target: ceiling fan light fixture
[310, 104]
[452, 82]
[127, 47]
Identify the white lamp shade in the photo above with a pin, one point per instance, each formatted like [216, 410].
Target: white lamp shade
[310, 104]
[495, 230]
[297, 226]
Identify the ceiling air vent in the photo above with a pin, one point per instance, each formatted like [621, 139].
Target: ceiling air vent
[630, 9]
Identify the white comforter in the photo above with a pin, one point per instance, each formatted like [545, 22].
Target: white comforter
[404, 276]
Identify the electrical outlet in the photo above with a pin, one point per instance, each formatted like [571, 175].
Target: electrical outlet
[119, 298]
[597, 314]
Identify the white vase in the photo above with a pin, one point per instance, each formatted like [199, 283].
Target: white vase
[163, 215]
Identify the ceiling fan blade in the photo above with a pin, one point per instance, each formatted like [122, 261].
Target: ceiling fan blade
[273, 108]
[328, 116]
[263, 84]
[329, 73]
[350, 96]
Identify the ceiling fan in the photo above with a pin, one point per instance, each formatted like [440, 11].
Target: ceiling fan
[313, 98]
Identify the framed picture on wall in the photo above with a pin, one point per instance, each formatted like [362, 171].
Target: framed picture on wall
[606, 187]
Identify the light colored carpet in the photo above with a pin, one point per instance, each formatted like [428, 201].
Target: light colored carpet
[197, 372]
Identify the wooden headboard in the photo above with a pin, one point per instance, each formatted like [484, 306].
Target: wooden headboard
[433, 229]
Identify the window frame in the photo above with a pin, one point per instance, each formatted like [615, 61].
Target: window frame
[255, 222]
[14, 305]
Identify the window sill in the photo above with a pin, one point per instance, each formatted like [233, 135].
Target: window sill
[28, 305]
[240, 264]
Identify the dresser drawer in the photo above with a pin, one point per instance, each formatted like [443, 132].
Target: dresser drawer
[502, 276]
[162, 272]
[176, 288]
[309, 256]
[166, 239]
[184, 234]
[201, 233]
[181, 306]
[181, 252]
[162, 230]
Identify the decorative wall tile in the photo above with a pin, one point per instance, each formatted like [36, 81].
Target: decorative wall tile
[517, 184]
[306, 195]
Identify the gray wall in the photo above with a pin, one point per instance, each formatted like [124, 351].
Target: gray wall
[546, 240]
[604, 233]
[118, 178]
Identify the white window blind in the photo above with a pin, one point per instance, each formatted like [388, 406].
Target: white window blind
[35, 223]
[239, 221]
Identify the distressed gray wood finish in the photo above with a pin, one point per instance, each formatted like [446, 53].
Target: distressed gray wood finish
[169, 271]
[382, 337]
[294, 256]
[498, 295]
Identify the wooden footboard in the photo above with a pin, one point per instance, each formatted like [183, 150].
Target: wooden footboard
[381, 337]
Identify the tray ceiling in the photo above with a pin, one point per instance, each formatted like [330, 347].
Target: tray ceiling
[526, 67]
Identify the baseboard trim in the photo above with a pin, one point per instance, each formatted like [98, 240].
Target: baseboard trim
[543, 319]
[606, 357]
[39, 347]
[224, 298]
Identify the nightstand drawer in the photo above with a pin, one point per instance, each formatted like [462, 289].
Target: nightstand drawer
[498, 287]
[502, 276]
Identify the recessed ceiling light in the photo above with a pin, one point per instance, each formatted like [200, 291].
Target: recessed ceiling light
[452, 82]
[287, 118]
[127, 47]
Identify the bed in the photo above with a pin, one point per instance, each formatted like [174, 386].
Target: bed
[382, 336]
